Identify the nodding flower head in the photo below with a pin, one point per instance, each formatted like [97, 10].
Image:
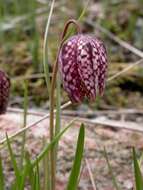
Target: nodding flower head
[4, 91]
[83, 66]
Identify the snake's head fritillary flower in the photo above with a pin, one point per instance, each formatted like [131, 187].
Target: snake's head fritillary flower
[4, 91]
[83, 66]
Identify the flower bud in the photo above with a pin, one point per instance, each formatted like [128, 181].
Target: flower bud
[4, 91]
[83, 66]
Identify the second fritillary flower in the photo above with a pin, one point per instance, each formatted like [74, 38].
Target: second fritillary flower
[4, 91]
[83, 66]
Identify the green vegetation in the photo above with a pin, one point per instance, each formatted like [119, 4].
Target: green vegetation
[27, 54]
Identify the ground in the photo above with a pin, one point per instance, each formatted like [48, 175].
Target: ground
[21, 57]
[118, 144]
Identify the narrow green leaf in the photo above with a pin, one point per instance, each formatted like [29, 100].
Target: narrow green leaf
[1, 176]
[80, 18]
[46, 169]
[137, 173]
[15, 166]
[58, 105]
[24, 172]
[140, 160]
[110, 170]
[24, 121]
[30, 169]
[34, 184]
[73, 179]
[45, 48]
[58, 112]
[34, 163]
[83, 12]
[27, 171]
[14, 186]
[37, 184]
[37, 178]
[51, 144]
[34, 180]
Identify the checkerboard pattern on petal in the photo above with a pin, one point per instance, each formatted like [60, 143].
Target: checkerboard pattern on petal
[4, 91]
[83, 66]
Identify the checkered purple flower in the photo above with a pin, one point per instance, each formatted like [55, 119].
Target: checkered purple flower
[83, 66]
[4, 91]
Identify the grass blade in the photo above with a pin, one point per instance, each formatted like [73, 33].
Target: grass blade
[27, 172]
[84, 11]
[58, 112]
[37, 177]
[15, 166]
[140, 160]
[1, 176]
[137, 173]
[46, 169]
[51, 144]
[45, 48]
[14, 186]
[73, 179]
[31, 170]
[24, 121]
[110, 170]
[23, 177]
[80, 18]
[58, 103]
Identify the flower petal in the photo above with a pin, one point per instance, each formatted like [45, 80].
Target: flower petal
[102, 68]
[4, 91]
[85, 67]
[69, 72]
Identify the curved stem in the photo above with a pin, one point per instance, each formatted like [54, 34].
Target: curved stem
[52, 102]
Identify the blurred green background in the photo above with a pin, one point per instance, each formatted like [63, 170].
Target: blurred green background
[22, 26]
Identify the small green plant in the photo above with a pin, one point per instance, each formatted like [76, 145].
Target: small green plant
[82, 62]
[137, 172]
[29, 173]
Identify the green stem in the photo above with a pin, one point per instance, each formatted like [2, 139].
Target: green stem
[52, 102]
[46, 184]
[58, 112]
[45, 48]
[47, 79]
[24, 121]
